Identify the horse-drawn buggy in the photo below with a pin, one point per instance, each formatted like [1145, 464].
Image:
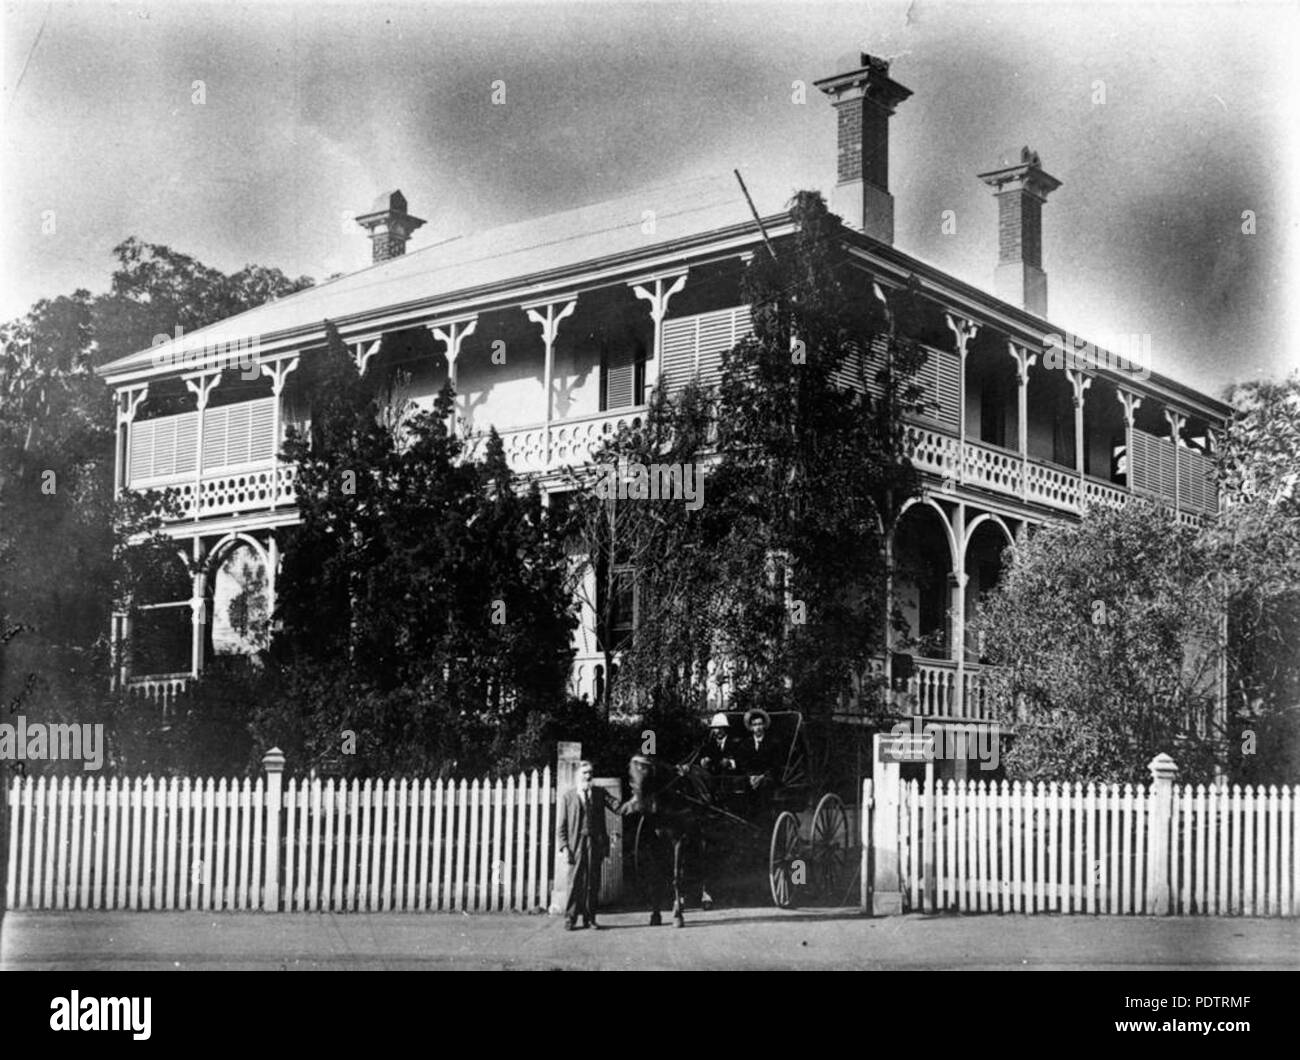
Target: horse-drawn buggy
[741, 805]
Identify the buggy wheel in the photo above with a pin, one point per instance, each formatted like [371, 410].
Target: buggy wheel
[830, 844]
[784, 852]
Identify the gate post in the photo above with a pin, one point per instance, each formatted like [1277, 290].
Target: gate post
[866, 827]
[887, 883]
[273, 766]
[567, 756]
[1161, 800]
[611, 875]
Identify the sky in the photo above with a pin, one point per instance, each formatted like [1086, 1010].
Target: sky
[254, 132]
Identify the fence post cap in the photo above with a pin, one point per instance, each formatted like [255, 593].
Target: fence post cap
[273, 760]
[1163, 767]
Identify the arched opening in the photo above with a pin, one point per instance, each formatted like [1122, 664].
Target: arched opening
[922, 581]
[984, 566]
[238, 600]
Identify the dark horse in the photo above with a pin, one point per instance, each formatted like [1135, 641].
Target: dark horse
[669, 803]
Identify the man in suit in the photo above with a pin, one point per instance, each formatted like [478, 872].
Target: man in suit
[759, 757]
[585, 843]
[762, 761]
[720, 750]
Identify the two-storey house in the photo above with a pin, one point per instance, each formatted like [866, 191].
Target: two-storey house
[556, 330]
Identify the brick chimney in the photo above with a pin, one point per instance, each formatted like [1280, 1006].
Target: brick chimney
[1021, 188]
[389, 226]
[864, 98]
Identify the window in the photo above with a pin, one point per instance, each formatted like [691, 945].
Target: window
[617, 610]
[622, 376]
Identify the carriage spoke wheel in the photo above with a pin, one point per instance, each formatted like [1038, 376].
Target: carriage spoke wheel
[830, 844]
[782, 856]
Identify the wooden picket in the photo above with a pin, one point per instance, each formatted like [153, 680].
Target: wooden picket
[1049, 847]
[180, 843]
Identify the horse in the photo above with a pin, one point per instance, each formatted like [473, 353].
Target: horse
[667, 800]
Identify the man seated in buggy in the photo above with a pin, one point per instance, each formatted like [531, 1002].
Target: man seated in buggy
[762, 761]
[717, 754]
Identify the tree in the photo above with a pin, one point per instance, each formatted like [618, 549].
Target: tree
[1255, 550]
[812, 471]
[774, 583]
[422, 604]
[1105, 640]
[62, 532]
[641, 566]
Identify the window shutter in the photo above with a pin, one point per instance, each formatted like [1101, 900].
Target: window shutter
[694, 345]
[620, 375]
[187, 444]
[947, 367]
[1153, 462]
[876, 360]
[261, 444]
[237, 439]
[214, 438]
[141, 461]
[164, 447]
[239, 434]
[678, 354]
[1168, 457]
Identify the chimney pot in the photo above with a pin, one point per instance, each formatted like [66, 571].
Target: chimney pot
[389, 226]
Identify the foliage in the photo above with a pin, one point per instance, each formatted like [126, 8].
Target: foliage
[812, 471]
[68, 548]
[1106, 638]
[660, 671]
[1255, 550]
[768, 594]
[423, 602]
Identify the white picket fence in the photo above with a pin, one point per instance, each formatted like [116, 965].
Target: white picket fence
[977, 846]
[476, 846]
[371, 845]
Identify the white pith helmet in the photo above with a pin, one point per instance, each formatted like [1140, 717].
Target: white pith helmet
[719, 721]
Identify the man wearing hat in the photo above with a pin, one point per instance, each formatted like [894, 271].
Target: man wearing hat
[584, 842]
[760, 759]
[720, 749]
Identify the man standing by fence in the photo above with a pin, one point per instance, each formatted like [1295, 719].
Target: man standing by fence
[585, 843]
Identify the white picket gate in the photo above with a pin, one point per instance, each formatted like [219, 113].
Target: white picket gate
[372, 845]
[979, 846]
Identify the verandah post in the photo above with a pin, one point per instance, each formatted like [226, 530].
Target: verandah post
[1160, 801]
[273, 766]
